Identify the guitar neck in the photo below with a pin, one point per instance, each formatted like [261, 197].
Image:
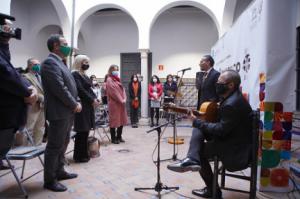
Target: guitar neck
[208, 111]
[184, 110]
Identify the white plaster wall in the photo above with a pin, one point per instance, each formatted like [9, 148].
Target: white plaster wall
[179, 38]
[241, 5]
[298, 12]
[228, 15]
[31, 17]
[145, 12]
[104, 37]
[40, 48]
[5, 7]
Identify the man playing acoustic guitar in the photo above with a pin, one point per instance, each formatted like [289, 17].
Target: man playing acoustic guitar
[229, 137]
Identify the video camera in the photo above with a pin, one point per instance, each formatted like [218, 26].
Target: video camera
[14, 32]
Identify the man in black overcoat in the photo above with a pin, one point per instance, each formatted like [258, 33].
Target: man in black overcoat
[229, 138]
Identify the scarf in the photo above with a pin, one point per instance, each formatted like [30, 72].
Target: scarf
[135, 86]
[115, 78]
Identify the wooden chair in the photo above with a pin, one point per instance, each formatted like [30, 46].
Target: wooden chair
[252, 164]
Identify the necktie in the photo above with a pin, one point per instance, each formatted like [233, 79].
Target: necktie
[38, 78]
[204, 76]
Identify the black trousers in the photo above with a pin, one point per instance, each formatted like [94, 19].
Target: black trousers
[113, 133]
[81, 145]
[134, 115]
[6, 141]
[58, 140]
[197, 151]
[156, 113]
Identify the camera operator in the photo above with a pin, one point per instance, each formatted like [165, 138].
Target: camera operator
[15, 91]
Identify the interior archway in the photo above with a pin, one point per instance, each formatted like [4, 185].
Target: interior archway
[178, 39]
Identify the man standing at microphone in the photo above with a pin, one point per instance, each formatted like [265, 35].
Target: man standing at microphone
[206, 80]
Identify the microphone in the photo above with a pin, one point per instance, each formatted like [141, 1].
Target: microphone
[183, 70]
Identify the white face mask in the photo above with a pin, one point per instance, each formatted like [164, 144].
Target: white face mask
[135, 79]
[94, 82]
[115, 73]
[174, 79]
[154, 80]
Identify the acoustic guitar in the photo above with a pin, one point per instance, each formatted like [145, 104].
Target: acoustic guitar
[208, 111]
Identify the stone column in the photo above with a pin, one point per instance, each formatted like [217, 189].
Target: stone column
[144, 83]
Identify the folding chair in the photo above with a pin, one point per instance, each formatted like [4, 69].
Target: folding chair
[25, 153]
[102, 122]
[252, 164]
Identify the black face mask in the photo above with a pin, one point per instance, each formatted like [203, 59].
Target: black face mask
[85, 66]
[221, 88]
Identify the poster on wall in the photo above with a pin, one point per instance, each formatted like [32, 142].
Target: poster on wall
[260, 48]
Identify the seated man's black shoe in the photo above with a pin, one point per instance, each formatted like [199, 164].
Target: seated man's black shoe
[206, 193]
[185, 165]
[66, 176]
[56, 187]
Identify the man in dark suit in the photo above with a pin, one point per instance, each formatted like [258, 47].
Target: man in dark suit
[15, 93]
[206, 80]
[229, 138]
[60, 105]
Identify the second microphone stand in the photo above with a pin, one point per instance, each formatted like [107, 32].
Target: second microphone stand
[159, 185]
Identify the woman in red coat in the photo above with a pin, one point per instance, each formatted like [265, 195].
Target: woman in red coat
[155, 91]
[116, 104]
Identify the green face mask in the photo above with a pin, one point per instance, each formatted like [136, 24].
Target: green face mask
[36, 68]
[65, 50]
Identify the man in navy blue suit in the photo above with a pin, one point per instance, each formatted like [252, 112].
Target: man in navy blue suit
[15, 93]
[206, 80]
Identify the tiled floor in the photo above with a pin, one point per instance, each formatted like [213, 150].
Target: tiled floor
[116, 173]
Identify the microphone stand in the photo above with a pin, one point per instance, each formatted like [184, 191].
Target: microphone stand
[173, 119]
[159, 185]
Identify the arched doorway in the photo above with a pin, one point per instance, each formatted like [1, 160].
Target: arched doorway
[107, 33]
[40, 43]
[178, 39]
[31, 16]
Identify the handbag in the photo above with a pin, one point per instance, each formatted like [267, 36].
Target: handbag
[93, 147]
[135, 103]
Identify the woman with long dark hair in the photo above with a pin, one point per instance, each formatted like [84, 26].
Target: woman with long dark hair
[155, 91]
[170, 89]
[134, 88]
